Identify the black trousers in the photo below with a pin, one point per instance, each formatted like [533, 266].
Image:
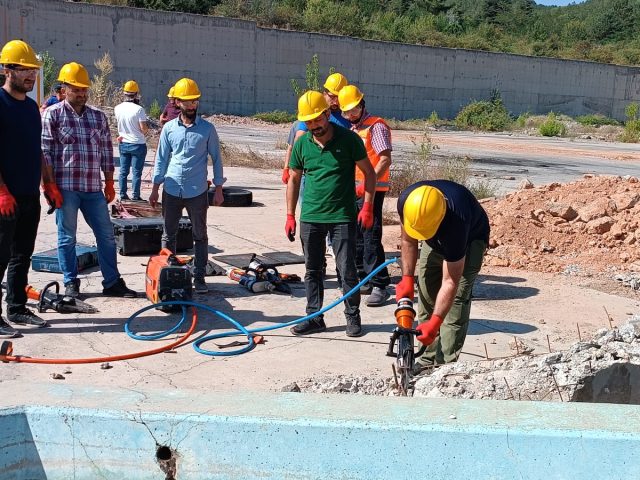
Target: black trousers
[369, 249]
[17, 240]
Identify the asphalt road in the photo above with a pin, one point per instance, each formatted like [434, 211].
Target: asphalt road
[503, 159]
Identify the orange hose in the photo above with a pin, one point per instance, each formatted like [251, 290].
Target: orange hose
[114, 358]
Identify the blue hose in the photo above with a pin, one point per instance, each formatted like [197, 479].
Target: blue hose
[240, 329]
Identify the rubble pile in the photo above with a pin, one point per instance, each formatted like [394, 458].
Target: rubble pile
[604, 369]
[585, 227]
[344, 384]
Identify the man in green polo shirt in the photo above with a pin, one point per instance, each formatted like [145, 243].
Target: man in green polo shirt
[328, 155]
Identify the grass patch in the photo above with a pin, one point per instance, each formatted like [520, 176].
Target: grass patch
[281, 144]
[631, 133]
[155, 109]
[552, 127]
[488, 116]
[276, 116]
[234, 156]
[595, 120]
[426, 166]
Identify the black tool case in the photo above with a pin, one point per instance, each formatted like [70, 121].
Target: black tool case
[135, 236]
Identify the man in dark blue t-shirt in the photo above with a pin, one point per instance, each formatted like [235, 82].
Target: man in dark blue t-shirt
[58, 96]
[20, 174]
[454, 230]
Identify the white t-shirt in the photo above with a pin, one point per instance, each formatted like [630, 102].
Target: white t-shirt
[129, 115]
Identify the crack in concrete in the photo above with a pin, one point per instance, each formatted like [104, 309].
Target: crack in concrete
[95, 466]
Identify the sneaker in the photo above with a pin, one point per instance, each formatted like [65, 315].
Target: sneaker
[314, 325]
[72, 289]
[378, 297]
[354, 327]
[137, 198]
[366, 289]
[119, 289]
[200, 286]
[27, 318]
[6, 330]
[124, 196]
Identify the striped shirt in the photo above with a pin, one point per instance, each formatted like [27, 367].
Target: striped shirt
[77, 146]
[380, 134]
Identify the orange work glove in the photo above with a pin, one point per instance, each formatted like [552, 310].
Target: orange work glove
[429, 330]
[285, 175]
[290, 227]
[365, 217]
[7, 203]
[404, 289]
[53, 196]
[360, 190]
[109, 192]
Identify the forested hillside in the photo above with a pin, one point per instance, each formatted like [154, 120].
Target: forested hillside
[599, 30]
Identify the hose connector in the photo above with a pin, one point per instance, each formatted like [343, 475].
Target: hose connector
[405, 314]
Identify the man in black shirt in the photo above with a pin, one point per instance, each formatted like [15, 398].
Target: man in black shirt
[20, 174]
[454, 230]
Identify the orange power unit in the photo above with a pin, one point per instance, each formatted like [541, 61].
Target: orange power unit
[167, 278]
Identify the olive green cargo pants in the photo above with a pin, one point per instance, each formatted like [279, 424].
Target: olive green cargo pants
[448, 344]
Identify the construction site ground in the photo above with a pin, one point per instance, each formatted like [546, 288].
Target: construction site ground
[543, 309]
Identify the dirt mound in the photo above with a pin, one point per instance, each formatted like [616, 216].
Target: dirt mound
[586, 227]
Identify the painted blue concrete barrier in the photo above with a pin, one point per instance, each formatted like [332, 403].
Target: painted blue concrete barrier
[300, 436]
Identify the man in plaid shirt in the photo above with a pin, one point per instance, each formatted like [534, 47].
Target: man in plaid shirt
[376, 136]
[76, 142]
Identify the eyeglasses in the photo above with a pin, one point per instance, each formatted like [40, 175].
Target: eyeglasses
[22, 70]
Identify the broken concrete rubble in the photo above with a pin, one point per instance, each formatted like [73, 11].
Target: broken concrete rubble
[603, 369]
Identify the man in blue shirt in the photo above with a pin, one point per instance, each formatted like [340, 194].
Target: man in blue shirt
[181, 165]
[58, 96]
[332, 86]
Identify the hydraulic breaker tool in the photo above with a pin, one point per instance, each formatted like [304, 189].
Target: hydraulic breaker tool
[54, 300]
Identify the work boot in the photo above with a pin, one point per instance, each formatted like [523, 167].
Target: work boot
[200, 286]
[6, 330]
[420, 368]
[354, 327]
[72, 288]
[27, 318]
[119, 289]
[366, 289]
[124, 196]
[315, 325]
[378, 297]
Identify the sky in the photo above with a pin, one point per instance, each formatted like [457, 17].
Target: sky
[557, 2]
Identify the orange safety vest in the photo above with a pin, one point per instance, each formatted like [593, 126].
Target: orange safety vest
[364, 130]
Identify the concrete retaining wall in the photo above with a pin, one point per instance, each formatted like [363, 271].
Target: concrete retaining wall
[243, 69]
[285, 436]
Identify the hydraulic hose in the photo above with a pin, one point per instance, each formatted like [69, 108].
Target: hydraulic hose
[8, 348]
[240, 329]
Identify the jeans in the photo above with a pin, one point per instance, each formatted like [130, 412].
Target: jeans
[453, 332]
[369, 249]
[132, 156]
[94, 209]
[197, 211]
[344, 246]
[17, 240]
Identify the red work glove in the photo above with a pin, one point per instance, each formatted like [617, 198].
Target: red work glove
[285, 175]
[109, 192]
[365, 217]
[405, 288]
[53, 196]
[429, 330]
[7, 202]
[290, 227]
[360, 190]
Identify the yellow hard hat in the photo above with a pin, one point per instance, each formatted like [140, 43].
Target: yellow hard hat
[74, 74]
[170, 94]
[349, 97]
[17, 52]
[131, 86]
[423, 212]
[311, 105]
[186, 89]
[335, 82]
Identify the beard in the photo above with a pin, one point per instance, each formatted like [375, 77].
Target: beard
[23, 87]
[319, 131]
[189, 113]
